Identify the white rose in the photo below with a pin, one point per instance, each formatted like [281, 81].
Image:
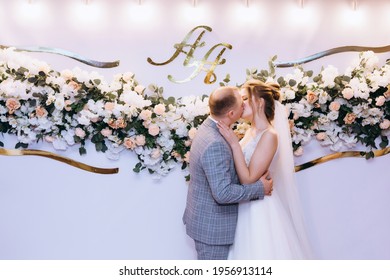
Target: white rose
[289, 94]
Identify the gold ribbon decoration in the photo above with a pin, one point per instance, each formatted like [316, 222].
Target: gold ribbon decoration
[89, 168]
[333, 156]
[80, 165]
[90, 62]
[284, 64]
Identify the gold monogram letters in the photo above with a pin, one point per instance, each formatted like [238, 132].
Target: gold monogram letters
[191, 61]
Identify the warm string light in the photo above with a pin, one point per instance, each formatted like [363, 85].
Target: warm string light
[354, 5]
[301, 3]
[195, 2]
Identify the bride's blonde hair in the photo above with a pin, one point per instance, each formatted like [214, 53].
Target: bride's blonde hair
[269, 92]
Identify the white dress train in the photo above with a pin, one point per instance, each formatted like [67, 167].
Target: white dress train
[265, 228]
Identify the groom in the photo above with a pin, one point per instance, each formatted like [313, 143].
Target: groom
[214, 191]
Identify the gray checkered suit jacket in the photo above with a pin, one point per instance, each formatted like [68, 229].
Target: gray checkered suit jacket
[214, 191]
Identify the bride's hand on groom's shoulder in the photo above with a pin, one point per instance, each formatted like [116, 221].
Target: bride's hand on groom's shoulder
[228, 133]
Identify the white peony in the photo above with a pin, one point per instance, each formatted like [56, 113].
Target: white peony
[328, 76]
[60, 144]
[287, 94]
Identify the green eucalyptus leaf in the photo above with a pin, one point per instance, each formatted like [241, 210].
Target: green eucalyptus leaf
[82, 151]
[32, 80]
[137, 167]
[292, 82]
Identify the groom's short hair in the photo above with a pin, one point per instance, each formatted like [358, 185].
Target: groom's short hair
[222, 100]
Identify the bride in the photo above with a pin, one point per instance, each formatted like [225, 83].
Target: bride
[272, 228]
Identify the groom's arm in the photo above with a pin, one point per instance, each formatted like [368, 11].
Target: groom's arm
[216, 162]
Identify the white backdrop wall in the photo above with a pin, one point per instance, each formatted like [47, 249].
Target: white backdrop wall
[49, 210]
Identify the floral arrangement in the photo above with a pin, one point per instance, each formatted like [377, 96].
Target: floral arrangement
[73, 106]
[339, 110]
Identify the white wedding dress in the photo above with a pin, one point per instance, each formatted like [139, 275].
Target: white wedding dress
[265, 228]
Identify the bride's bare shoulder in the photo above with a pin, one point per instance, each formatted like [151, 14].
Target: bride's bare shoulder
[270, 137]
[272, 133]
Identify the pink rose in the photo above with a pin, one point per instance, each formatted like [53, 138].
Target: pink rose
[187, 157]
[109, 106]
[385, 124]
[153, 129]
[311, 97]
[379, 101]
[175, 155]
[139, 89]
[106, 132]
[334, 106]
[140, 140]
[121, 122]
[49, 139]
[321, 136]
[74, 85]
[192, 132]
[12, 105]
[128, 76]
[349, 118]
[291, 124]
[118, 123]
[187, 143]
[347, 93]
[156, 153]
[67, 74]
[112, 123]
[159, 109]
[298, 152]
[80, 132]
[145, 115]
[129, 143]
[40, 112]
[146, 123]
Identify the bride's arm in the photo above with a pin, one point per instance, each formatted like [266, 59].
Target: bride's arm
[260, 160]
[262, 156]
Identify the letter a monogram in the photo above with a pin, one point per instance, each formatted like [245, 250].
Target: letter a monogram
[190, 61]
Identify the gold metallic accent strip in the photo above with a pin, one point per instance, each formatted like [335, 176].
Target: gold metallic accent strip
[323, 159]
[29, 152]
[283, 64]
[90, 62]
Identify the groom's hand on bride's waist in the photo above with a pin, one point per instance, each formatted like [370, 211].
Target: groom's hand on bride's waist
[267, 183]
